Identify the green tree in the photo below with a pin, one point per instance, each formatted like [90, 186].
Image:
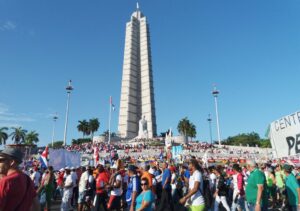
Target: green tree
[18, 135]
[32, 137]
[187, 128]
[56, 144]
[83, 127]
[252, 139]
[265, 143]
[105, 133]
[3, 135]
[94, 125]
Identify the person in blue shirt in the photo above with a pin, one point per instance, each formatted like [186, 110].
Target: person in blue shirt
[145, 201]
[133, 188]
[166, 198]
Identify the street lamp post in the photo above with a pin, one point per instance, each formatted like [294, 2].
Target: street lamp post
[209, 123]
[55, 117]
[69, 88]
[215, 93]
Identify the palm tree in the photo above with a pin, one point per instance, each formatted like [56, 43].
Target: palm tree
[83, 127]
[94, 125]
[32, 137]
[183, 126]
[3, 135]
[186, 128]
[18, 135]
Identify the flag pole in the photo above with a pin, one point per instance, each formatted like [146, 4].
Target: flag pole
[109, 119]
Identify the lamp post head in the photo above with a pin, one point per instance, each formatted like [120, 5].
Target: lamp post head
[215, 92]
[209, 118]
[69, 88]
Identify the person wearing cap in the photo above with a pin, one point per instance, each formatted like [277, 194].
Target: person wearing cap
[59, 182]
[154, 181]
[68, 191]
[256, 194]
[166, 198]
[133, 188]
[16, 188]
[115, 183]
[101, 194]
[82, 188]
[35, 177]
[292, 188]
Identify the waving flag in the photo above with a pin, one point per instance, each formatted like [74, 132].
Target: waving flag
[111, 103]
[96, 155]
[44, 158]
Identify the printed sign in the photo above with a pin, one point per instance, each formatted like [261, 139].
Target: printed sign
[285, 135]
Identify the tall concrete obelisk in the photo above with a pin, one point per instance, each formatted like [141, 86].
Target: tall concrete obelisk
[137, 92]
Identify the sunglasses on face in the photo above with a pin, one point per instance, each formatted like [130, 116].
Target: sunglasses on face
[144, 184]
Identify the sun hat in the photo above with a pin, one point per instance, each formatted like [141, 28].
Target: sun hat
[14, 153]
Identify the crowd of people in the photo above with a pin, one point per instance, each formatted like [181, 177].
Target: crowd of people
[159, 185]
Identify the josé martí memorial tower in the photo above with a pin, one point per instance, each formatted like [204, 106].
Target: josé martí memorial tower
[137, 92]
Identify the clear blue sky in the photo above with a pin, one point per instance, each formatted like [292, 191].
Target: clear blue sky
[250, 49]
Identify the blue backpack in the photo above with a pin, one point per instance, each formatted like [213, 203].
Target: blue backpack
[134, 181]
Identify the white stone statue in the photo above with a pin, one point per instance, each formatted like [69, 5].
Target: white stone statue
[168, 139]
[143, 132]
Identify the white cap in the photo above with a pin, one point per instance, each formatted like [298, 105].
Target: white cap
[151, 171]
[114, 166]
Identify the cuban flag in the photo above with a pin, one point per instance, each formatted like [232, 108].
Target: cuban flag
[111, 104]
[44, 158]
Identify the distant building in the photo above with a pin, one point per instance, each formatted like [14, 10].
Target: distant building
[137, 92]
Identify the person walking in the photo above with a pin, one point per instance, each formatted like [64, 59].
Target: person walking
[238, 189]
[221, 190]
[194, 198]
[292, 188]
[256, 194]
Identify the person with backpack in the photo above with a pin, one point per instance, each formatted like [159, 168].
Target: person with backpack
[221, 190]
[133, 188]
[194, 198]
[115, 182]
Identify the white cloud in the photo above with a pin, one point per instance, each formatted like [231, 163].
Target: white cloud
[7, 26]
[9, 119]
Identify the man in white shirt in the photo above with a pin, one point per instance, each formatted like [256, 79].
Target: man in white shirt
[83, 183]
[194, 198]
[35, 177]
[68, 191]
